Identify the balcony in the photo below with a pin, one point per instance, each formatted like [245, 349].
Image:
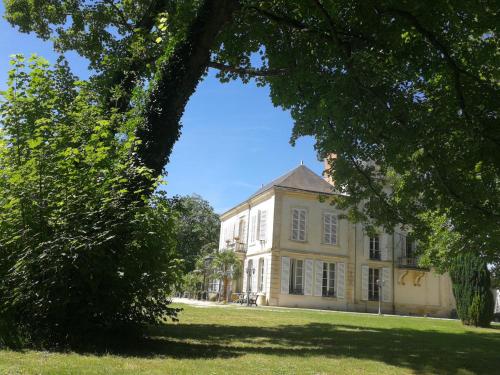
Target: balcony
[409, 262]
[238, 247]
[297, 291]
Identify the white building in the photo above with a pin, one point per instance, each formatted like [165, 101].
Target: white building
[302, 253]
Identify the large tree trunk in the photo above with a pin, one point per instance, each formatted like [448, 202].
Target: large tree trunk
[176, 80]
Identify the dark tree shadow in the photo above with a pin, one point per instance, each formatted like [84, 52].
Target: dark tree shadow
[421, 351]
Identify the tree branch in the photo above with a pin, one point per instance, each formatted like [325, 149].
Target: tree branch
[252, 72]
[175, 81]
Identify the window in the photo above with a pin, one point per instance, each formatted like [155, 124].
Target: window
[296, 276]
[328, 280]
[249, 272]
[410, 248]
[373, 290]
[299, 224]
[242, 229]
[375, 248]
[330, 228]
[213, 286]
[261, 275]
[253, 228]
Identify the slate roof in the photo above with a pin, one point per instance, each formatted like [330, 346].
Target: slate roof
[300, 178]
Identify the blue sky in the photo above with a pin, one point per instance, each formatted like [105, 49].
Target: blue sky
[233, 139]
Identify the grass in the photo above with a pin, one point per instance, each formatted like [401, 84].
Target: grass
[231, 340]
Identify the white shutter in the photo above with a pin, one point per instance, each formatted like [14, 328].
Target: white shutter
[384, 246]
[253, 225]
[245, 267]
[231, 231]
[237, 228]
[364, 283]
[295, 224]
[318, 278]
[334, 230]
[340, 280]
[386, 284]
[327, 234]
[308, 282]
[302, 225]
[263, 225]
[255, 276]
[243, 231]
[285, 275]
[366, 246]
[264, 281]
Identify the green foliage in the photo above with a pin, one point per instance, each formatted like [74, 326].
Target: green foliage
[197, 230]
[79, 254]
[403, 94]
[225, 263]
[192, 283]
[471, 288]
[226, 266]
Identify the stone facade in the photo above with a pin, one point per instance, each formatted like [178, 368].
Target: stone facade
[303, 253]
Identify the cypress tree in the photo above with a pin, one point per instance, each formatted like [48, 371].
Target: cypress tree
[471, 287]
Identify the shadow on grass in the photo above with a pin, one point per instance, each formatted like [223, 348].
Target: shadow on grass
[420, 351]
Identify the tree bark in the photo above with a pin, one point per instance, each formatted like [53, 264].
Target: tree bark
[175, 82]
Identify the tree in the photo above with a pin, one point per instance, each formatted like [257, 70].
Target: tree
[401, 96]
[77, 259]
[472, 289]
[226, 266]
[407, 87]
[197, 230]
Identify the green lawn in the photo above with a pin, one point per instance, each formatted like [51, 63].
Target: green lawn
[235, 340]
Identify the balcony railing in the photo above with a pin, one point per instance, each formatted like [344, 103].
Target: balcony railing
[408, 262]
[238, 247]
[296, 291]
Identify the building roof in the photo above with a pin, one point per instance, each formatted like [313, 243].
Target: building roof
[300, 178]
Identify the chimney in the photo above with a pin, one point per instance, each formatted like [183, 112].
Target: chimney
[328, 168]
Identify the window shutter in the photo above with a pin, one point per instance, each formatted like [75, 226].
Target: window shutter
[318, 278]
[340, 280]
[327, 228]
[243, 230]
[364, 283]
[386, 286]
[255, 276]
[384, 246]
[245, 267]
[253, 225]
[302, 225]
[295, 224]
[334, 229]
[237, 228]
[285, 275]
[263, 225]
[366, 246]
[308, 284]
[266, 266]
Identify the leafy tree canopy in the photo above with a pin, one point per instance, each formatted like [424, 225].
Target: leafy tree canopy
[78, 256]
[197, 229]
[402, 93]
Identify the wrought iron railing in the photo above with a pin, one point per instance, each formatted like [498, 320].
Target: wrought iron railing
[409, 262]
[329, 293]
[296, 291]
[240, 247]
